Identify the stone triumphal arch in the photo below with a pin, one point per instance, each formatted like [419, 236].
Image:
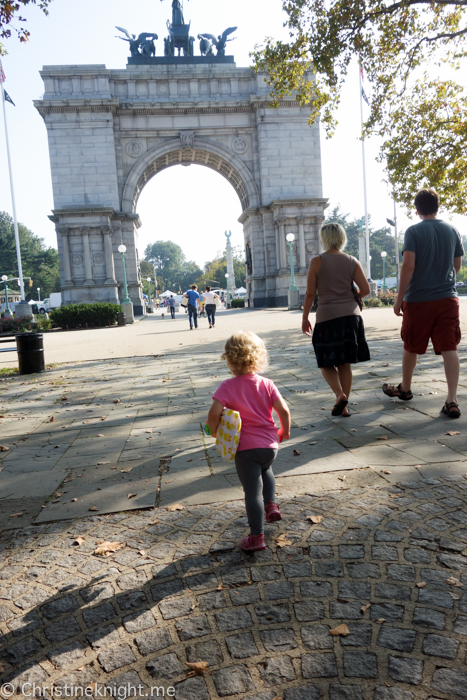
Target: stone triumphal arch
[111, 130]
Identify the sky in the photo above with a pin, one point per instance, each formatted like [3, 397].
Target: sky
[83, 32]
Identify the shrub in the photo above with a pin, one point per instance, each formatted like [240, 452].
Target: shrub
[388, 298]
[16, 325]
[238, 303]
[85, 315]
[372, 302]
[461, 290]
[43, 323]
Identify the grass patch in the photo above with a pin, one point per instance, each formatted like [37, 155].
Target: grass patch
[8, 371]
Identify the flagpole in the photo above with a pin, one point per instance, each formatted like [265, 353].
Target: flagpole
[367, 232]
[15, 220]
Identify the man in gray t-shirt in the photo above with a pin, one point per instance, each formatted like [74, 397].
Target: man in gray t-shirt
[427, 298]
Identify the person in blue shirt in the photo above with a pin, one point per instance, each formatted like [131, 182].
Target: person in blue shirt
[193, 305]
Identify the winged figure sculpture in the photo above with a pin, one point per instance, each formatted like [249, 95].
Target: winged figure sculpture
[143, 45]
[207, 41]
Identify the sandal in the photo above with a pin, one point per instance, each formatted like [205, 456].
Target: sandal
[339, 408]
[396, 392]
[447, 410]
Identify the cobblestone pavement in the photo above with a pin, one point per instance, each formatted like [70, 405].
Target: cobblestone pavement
[374, 537]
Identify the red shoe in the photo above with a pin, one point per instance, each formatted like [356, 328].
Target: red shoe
[272, 512]
[253, 543]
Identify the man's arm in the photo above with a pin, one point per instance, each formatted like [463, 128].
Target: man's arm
[457, 264]
[407, 270]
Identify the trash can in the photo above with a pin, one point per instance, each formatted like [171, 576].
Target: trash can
[121, 320]
[34, 309]
[30, 347]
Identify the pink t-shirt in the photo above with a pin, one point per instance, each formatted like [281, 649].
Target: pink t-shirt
[252, 396]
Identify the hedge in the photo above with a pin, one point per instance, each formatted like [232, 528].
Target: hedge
[238, 303]
[85, 315]
[17, 325]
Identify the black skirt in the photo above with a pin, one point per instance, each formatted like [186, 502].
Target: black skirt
[340, 341]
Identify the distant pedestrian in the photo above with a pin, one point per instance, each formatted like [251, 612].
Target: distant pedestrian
[254, 397]
[157, 302]
[193, 305]
[172, 306]
[427, 298]
[339, 334]
[211, 307]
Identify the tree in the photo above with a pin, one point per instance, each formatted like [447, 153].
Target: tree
[401, 46]
[9, 11]
[39, 263]
[380, 240]
[173, 269]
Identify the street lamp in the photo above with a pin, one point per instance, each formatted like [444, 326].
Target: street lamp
[290, 239]
[38, 293]
[227, 301]
[7, 308]
[148, 280]
[383, 255]
[127, 305]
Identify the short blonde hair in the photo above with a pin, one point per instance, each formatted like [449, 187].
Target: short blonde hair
[245, 350]
[333, 236]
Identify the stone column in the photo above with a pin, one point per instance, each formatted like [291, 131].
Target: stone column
[301, 244]
[283, 248]
[109, 256]
[87, 257]
[63, 231]
[278, 250]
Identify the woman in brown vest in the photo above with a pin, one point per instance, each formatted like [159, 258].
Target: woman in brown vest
[339, 335]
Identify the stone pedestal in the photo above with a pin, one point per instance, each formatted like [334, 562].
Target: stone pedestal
[23, 309]
[127, 309]
[293, 299]
[373, 288]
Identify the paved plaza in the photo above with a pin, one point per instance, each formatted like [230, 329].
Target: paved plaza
[373, 540]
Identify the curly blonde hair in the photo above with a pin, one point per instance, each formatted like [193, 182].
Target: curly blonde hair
[245, 351]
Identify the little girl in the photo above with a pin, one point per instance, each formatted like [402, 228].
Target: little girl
[253, 397]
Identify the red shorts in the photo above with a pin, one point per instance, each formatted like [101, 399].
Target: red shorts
[438, 320]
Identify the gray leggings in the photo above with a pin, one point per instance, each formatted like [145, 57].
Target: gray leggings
[254, 469]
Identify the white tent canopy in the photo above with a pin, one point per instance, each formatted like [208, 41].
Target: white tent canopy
[240, 290]
[167, 293]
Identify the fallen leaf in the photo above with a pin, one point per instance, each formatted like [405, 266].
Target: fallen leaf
[380, 620]
[17, 515]
[393, 495]
[100, 435]
[452, 432]
[340, 629]
[365, 608]
[73, 500]
[383, 437]
[52, 419]
[220, 587]
[282, 540]
[296, 452]
[99, 463]
[177, 506]
[78, 541]
[93, 508]
[125, 470]
[452, 581]
[421, 584]
[132, 495]
[198, 667]
[107, 548]
[385, 471]
[342, 478]
[4, 448]
[315, 518]
[454, 596]
[313, 443]
[117, 401]
[142, 552]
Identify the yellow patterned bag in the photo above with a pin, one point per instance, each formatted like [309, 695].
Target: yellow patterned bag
[228, 434]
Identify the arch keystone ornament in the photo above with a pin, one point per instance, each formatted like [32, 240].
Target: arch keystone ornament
[178, 110]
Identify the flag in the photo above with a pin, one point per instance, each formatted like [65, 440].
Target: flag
[8, 98]
[365, 97]
[2, 74]
[361, 72]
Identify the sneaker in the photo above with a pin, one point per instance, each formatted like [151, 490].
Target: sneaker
[253, 543]
[272, 512]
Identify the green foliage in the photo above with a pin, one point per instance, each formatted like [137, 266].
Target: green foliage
[43, 323]
[372, 303]
[214, 271]
[401, 46]
[9, 13]
[39, 263]
[380, 239]
[16, 325]
[387, 298]
[85, 315]
[238, 303]
[173, 269]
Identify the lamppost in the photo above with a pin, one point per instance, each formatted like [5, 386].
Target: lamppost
[383, 255]
[293, 294]
[227, 300]
[127, 305]
[38, 294]
[7, 308]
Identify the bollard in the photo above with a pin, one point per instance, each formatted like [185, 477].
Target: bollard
[121, 320]
[30, 349]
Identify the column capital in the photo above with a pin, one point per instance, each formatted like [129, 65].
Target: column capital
[85, 231]
[106, 230]
[63, 230]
